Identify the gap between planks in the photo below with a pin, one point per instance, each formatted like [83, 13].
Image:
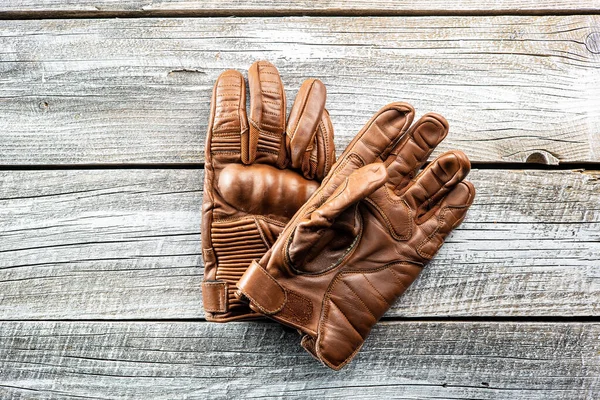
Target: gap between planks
[567, 166]
[41, 9]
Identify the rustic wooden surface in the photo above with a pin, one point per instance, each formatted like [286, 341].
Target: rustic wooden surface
[27, 8]
[401, 360]
[126, 244]
[102, 123]
[113, 91]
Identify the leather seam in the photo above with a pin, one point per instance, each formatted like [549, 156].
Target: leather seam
[346, 318]
[359, 299]
[441, 219]
[389, 223]
[304, 103]
[325, 145]
[375, 289]
[261, 233]
[398, 279]
[320, 334]
[258, 127]
[250, 217]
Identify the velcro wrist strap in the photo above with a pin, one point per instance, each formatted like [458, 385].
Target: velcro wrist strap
[214, 296]
[262, 289]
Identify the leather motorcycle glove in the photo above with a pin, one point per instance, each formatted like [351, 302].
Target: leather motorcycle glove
[259, 171]
[364, 235]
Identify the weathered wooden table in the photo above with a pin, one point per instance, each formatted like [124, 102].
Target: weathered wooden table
[102, 128]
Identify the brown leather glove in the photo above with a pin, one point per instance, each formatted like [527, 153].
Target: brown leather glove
[364, 236]
[258, 173]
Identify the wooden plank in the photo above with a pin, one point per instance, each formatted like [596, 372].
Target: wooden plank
[401, 360]
[137, 90]
[126, 244]
[283, 7]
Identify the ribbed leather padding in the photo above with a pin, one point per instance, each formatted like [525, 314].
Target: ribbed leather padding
[269, 143]
[236, 243]
[226, 143]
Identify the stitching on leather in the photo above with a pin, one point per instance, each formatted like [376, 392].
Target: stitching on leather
[376, 291]
[441, 219]
[325, 311]
[302, 212]
[324, 137]
[261, 233]
[349, 251]
[318, 345]
[304, 103]
[343, 185]
[346, 318]
[389, 223]
[249, 218]
[359, 299]
[220, 297]
[262, 150]
[260, 307]
[389, 197]
[258, 127]
[226, 134]
[398, 278]
[299, 308]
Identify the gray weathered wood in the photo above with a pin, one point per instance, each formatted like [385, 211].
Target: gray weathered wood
[401, 360]
[126, 244]
[256, 7]
[137, 90]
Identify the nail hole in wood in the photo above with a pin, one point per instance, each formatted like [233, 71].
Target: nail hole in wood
[537, 158]
[592, 42]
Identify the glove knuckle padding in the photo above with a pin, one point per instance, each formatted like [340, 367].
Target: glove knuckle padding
[264, 190]
[364, 236]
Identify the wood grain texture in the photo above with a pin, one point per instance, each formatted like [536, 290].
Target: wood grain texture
[137, 90]
[401, 360]
[256, 7]
[117, 244]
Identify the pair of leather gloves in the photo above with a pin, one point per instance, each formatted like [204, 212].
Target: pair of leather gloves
[322, 246]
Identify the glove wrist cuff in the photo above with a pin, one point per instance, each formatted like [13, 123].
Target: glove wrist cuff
[263, 291]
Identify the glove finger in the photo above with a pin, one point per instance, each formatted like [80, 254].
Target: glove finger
[439, 178]
[377, 138]
[304, 120]
[414, 149]
[264, 141]
[228, 121]
[451, 212]
[320, 155]
[373, 143]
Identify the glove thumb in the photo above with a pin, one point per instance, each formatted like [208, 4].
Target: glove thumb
[312, 234]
